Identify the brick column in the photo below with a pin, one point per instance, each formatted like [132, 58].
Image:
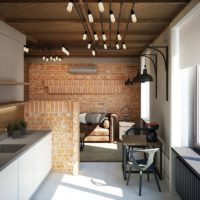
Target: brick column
[62, 118]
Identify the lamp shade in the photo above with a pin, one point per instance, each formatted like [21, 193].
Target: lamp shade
[145, 77]
[128, 82]
[136, 78]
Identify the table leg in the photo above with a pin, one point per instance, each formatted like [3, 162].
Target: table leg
[160, 176]
[124, 160]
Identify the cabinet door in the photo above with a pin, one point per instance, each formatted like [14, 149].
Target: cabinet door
[26, 175]
[9, 182]
[43, 160]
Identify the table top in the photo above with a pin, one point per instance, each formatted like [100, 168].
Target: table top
[138, 140]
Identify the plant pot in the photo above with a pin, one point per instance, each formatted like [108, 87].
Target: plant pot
[16, 133]
[23, 131]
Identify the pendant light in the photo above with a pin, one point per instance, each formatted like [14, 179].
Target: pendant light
[26, 49]
[112, 16]
[104, 36]
[119, 36]
[145, 77]
[85, 35]
[89, 45]
[65, 50]
[101, 7]
[95, 36]
[93, 52]
[133, 16]
[70, 6]
[47, 59]
[105, 46]
[59, 59]
[124, 45]
[90, 17]
[44, 58]
[117, 45]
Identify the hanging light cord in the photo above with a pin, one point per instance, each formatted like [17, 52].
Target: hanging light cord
[81, 18]
[110, 24]
[120, 12]
[128, 22]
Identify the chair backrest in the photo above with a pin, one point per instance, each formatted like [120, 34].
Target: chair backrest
[150, 158]
[134, 130]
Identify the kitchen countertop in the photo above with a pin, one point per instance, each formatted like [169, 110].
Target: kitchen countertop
[31, 138]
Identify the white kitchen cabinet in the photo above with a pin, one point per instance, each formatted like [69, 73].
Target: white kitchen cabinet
[42, 160]
[20, 179]
[26, 175]
[9, 182]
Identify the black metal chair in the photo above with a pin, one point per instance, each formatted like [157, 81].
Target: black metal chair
[147, 164]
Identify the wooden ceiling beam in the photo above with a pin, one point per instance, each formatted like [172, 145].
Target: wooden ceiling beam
[68, 41]
[143, 33]
[77, 21]
[88, 24]
[94, 1]
[80, 48]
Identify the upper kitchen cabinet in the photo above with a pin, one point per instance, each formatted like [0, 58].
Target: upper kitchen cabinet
[11, 65]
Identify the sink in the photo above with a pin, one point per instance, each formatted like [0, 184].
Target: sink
[10, 148]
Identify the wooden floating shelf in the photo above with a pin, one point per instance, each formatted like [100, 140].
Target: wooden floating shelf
[12, 103]
[13, 83]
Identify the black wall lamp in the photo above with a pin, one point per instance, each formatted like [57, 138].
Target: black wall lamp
[148, 77]
[141, 78]
[165, 59]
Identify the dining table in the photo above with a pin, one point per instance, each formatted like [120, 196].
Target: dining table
[139, 141]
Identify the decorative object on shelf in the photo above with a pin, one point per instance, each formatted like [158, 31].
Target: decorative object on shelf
[151, 131]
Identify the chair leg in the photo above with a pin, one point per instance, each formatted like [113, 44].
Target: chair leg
[157, 181]
[148, 175]
[140, 186]
[129, 174]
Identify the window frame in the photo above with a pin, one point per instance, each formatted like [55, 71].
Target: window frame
[196, 140]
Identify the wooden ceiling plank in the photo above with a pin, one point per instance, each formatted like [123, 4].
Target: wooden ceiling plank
[38, 33]
[94, 1]
[42, 20]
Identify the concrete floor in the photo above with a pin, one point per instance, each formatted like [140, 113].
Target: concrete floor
[99, 181]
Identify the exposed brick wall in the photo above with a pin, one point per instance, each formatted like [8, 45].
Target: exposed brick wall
[62, 118]
[51, 81]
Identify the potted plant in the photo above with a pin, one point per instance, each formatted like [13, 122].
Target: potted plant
[14, 130]
[23, 125]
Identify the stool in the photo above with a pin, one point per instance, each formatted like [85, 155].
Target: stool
[82, 143]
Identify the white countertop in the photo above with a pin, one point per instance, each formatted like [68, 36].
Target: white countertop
[31, 138]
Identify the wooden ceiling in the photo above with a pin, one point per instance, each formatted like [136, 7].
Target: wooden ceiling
[48, 25]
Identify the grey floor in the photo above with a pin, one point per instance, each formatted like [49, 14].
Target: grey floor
[99, 181]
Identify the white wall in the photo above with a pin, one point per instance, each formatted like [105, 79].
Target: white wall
[175, 116]
[11, 62]
[190, 39]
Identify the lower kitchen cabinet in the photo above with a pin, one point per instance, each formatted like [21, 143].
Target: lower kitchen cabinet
[9, 182]
[26, 175]
[42, 160]
[21, 178]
